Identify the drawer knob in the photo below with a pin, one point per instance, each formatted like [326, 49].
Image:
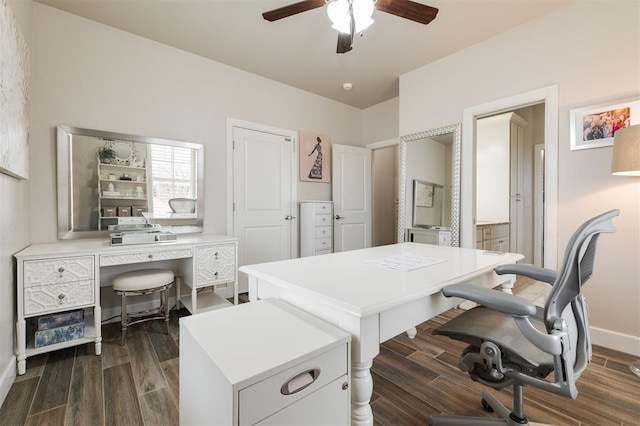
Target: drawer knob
[150, 256]
[216, 256]
[345, 386]
[61, 270]
[216, 274]
[61, 297]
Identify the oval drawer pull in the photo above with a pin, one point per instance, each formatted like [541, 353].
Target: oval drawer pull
[300, 381]
[150, 256]
[61, 297]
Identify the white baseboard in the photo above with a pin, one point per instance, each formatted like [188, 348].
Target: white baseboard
[614, 340]
[7, 378]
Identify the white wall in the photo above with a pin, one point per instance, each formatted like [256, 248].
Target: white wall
[93, 76]
[14, 229]
[380, 122]
[557, 49]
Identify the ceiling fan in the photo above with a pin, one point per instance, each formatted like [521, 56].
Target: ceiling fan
[353, 16]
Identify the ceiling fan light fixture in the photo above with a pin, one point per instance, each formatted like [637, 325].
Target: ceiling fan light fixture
[338, 11]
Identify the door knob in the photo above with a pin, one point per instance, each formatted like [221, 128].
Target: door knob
[338, 217]
[288, 217]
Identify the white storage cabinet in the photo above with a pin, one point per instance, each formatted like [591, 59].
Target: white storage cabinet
[316, 228]
[438, 237]
[264, 362]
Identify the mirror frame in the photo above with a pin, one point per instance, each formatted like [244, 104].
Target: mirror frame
[64, 136]
[456, 130]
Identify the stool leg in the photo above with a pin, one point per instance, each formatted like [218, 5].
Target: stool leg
[164, 297]
[123, 318]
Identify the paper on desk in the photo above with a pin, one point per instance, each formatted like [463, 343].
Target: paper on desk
[405, 262]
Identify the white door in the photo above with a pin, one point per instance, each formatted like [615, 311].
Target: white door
[263, 197]
[351, 186]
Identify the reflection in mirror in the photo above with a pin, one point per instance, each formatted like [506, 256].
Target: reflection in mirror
[107, 179]
[428, 199]
[432, 156]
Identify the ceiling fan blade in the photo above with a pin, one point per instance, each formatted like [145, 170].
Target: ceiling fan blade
[408, 9]
[292, 9]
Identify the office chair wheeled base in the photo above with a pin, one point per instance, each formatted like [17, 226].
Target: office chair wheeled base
[489, 403]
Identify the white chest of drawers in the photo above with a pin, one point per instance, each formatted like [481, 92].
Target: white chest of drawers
[272, 365]
[438, 237]
[316, 228]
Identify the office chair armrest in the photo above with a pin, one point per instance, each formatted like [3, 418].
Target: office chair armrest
[540, 274]
[492, 299]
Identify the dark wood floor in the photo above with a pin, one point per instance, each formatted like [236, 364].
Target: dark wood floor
[138, 384]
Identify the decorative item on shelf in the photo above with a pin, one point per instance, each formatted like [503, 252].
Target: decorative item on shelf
[124, 211]
[139, 193]
[112, 177]
[111, 188]
[125, 176]
[59, 328]
[106, 155]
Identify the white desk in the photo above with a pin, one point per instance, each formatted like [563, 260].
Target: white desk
[374, 304]
[66, 275]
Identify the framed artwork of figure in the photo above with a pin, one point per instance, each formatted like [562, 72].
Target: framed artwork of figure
[315, 157]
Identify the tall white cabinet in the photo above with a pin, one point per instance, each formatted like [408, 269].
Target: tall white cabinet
[500, 175]
[316, 228]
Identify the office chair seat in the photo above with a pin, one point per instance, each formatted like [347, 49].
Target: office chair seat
[480, 324]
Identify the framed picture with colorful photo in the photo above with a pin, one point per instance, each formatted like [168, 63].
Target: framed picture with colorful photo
[315, 157]
[594, 126]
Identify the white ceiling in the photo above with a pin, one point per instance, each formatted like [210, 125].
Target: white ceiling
[300, 50]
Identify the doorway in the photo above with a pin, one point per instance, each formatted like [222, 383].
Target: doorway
[549, 97]
[261, 193]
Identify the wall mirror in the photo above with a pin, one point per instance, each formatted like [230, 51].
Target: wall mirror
[428, 204]
[109, 178]
[433, 157]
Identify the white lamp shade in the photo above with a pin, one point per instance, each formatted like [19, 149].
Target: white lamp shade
[338, 12]
[626, 152]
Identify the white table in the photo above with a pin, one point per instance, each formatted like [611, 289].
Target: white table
[374, 303]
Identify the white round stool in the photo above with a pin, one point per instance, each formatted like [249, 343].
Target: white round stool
[141, 282]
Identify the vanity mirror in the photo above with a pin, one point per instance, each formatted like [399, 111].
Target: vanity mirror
[431, 157]
[109, 178]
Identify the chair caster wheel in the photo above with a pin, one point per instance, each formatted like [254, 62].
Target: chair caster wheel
[486, 406]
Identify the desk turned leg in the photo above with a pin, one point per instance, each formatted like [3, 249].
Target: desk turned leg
[97, 321]
[361, 391]
[21, 355]
[507, 286]
[412, 332]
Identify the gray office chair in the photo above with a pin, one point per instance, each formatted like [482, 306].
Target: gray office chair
[514, 343]
[182, 205]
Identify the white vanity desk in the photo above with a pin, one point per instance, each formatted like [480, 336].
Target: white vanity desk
[67, 275]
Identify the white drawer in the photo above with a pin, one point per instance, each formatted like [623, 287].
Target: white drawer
[486, 233]
[58, 270]
[323, 231]
[319, 252]
[266, 397]
[499, 231]
[323, 220]
[215, 263]
[58, 297]
[143, 256]
[323, 244]
[323, 208]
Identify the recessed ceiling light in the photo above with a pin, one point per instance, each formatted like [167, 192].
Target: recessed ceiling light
[347, 86]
